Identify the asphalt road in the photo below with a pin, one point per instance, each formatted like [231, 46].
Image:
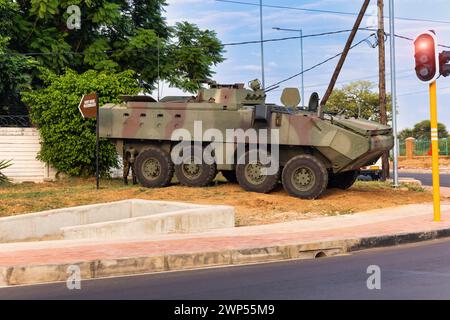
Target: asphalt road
[407, 272]
[426, 178]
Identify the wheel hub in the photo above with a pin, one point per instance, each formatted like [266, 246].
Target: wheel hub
[253, 173]
[303, 178]
[192, 170]
[151, 168]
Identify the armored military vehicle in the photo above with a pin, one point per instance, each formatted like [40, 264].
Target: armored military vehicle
[316, 150]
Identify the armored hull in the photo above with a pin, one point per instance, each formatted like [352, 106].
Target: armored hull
[313, 150]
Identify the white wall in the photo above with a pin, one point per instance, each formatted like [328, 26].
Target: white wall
[21, 145]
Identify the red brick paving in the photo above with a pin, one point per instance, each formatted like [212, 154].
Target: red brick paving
[115, 250]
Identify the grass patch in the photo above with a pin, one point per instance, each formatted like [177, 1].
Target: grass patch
[251, 208]
[412, 187]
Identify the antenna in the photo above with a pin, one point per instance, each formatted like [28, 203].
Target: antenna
[159, 76]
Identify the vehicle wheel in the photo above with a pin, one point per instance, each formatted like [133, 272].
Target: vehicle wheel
[230, 176]
[252, 178]
[343, 180]
[194, 172]
[154, 168]
[305, 177]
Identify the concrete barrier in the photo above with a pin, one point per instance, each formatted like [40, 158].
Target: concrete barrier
[116, 219]
[180, 221]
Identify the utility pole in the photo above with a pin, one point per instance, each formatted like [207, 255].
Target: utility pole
[301, 60]
[302, 69]
[262, 43]
[393, 89]
[159, 67]
[382, 82]
[343, 57]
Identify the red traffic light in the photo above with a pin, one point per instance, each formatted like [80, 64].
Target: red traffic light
[426, 56]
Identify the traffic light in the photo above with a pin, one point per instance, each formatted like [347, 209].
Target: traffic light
[426, 55]
[444, 59]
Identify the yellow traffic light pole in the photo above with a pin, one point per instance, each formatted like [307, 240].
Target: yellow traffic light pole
[435, 152]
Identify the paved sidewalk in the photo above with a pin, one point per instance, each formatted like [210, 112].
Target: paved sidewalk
[445, 192]
[46, 261]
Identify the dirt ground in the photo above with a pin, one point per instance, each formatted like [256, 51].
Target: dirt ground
[251, 208]
[423, 163]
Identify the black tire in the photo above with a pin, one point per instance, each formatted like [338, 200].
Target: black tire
[343, 180]
[154, 168]
[305, 177]
[230, 175]
[250, 180]
[195, 175]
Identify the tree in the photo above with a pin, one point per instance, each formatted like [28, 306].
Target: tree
[405, 133]
[422, 131]
[69, 140]
[357, 99]
[114, 36]
[14, 70]
[15, 73]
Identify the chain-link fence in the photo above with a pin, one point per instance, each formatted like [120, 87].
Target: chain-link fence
[402, 147]
[443, 147]
[423, 147]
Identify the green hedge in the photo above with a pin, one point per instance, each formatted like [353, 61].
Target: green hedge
[68, 139]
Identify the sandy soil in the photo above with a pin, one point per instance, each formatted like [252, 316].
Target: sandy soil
[423, 163]
[251, 208]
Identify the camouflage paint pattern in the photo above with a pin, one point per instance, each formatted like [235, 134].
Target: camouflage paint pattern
[343, 144]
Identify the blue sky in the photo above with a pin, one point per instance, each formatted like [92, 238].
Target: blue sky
[234, 23]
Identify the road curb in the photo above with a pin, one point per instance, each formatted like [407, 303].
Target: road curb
[398, 239]
[102, 268]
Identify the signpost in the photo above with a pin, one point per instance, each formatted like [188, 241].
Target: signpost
[429, 66]
[89, 109]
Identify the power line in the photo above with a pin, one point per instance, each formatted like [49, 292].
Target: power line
[291, 38]
[199, 47]
[196, 47]
[318, 64]
[417, 92]
[326, 11]
[319, 35]
[319, 85]
[410, 39]
[331, 58]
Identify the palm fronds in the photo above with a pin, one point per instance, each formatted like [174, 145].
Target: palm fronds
[3, 165]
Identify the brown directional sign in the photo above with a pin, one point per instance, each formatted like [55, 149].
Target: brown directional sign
[88, 105]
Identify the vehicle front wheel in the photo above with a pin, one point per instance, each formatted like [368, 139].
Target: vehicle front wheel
[154, 168]
[305, 177]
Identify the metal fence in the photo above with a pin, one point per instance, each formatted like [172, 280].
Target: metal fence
[21, 121]
[402, 147]
[423, 147]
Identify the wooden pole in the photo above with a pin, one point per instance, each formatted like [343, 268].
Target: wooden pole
[382, 82]
[340, 64]
[97, 145]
